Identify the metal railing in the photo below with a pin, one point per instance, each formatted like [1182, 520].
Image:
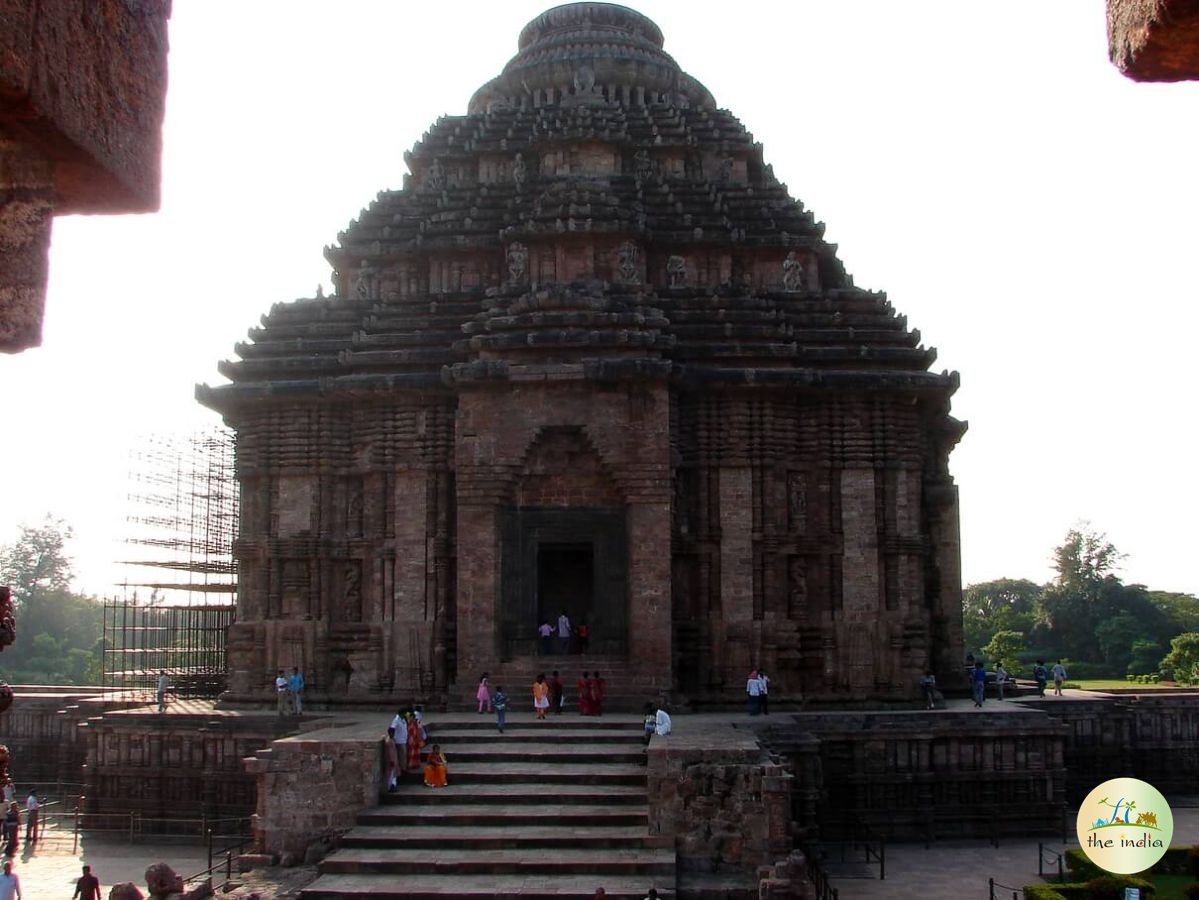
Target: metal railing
[993, 884]
[1053, 858]
[226, 861]
[133, 825]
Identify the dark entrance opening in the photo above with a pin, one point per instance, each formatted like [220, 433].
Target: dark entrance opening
[565, 581]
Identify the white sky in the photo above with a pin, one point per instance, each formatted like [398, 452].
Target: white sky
[1030, 210]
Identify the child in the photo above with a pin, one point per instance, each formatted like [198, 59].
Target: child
[500, 702]
[650, 723]
[435, 769]
[483, 695]
[391, 759]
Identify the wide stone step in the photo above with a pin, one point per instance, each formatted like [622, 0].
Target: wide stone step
[529, 793]
[476, 887]
[549, 732]
[531, 814]
[531, 861]
[508, 835]
[515, 752]
[525, 772]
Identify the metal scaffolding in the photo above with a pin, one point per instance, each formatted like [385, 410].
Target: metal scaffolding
[178, 594]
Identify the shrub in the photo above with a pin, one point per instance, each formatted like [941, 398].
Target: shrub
[1106, 887]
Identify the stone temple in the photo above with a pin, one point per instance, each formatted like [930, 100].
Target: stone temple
[592, 358]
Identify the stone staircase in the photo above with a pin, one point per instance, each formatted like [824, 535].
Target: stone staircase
[548, 809]
[623, 692]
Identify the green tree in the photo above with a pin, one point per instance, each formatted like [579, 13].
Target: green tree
[1180, 610]
[37, 561]
[1005, 647]
[1182, 662]
[1144, 657]
[1085, 558]
[1006, 604]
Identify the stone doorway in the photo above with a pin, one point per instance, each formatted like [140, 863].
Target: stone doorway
[563, 559]
[565, 582]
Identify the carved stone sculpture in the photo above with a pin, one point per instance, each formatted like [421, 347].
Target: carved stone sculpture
[520, 171]
[793, 274]
[628, 269]
[435, 180]
[518, 263]
[676, 271]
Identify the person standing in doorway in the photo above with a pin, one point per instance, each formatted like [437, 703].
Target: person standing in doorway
[555, 693]
[295, 684]
[163, 684]
[564, 633]
[87, 887]
[282, 694]
[499, 701]
[753, 688]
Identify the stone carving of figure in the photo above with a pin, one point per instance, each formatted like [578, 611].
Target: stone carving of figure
[518, 263]
[726, 169]
[796, 502]
[793, 274]
[351, 596]
[365, 282]
[354, 510]
[797, 584]
[520, 171]
[436, 177]
[676, 271]
[584, 80]
[643, 166]
[626, 263]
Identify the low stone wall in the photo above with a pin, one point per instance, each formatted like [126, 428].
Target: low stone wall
[724, 801]
[311, 789]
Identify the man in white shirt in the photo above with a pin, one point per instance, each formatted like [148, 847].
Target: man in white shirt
[162, 690]
[753, 687]
[564, 633]
[282, 694]
[31, 817]
[10, 884]
[1059, 678]
[662, 722]
[400, 724]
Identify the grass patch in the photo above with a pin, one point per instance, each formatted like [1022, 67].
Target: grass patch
[1115, 684]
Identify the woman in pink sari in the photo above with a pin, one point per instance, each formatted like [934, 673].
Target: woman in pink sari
[414, 743]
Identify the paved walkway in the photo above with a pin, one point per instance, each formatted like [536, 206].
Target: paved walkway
[49, 868]
[959, 870]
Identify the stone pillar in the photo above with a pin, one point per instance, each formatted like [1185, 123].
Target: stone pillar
[26, 214]
[649, 629]
[860, 592]
[412, 609]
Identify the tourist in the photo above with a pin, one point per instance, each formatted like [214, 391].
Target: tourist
[662, 724]
[1059, 678]
[1001, 678]
[541, 696]
[163, 682]
[420, 725]
[928, 687]
[583, 636]
[10, 884]
[564, 633]
[391, 759]
[555, 693]
[765, 695]
[87, 887]
[10, 792]
[435, 768]
[415, 744]
[753, 687]
[978, 683]
[282, 694]
[295, 684]
[483, 694]
[584, 695]
[595, 687]
[649, 723]
[11, 829]
[32, 814]
[500, 703]
[399, 731]
[546, 633]
[1040, 673]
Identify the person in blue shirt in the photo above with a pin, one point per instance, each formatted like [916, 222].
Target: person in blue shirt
[499, 702]
[978, 683]
[295, 683]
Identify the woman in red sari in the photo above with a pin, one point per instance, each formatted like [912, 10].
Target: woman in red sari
[584, 690]
[595, 687]
[414, 743]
